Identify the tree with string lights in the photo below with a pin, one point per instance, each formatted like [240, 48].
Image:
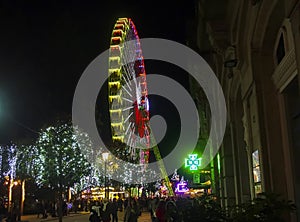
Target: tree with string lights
[60, 162]
[8, 158]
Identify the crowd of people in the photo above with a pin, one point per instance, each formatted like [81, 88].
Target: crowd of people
[12, 215]
[106, 210]
[171, 209]
[161, 209]
[49, 208]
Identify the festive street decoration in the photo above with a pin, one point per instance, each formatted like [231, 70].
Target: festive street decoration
[181, 187]
[175, 177]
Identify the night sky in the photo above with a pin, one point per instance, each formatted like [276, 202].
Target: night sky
[46, 45]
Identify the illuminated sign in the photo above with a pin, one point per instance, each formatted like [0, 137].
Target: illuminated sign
[181, 187]
[193, 162]
[196, 178]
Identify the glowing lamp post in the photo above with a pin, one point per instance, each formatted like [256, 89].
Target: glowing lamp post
[105, 158]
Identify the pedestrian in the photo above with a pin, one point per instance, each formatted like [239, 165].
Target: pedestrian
[171, 211]
[75, 205]
[2, 210]
[65, 208]
[132, 211]
[120, 204]
[153, 205]
[114, 210]
[40, 208]
[161, 211]
[105, 211]
[45, 209]
[94, 216]
[125, 203]
[96, 207]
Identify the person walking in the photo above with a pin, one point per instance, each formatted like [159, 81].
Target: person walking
[40, 209]
[120, 204]
[94, 216]
[153, 205]
[171, 211]
[161, 211]
[105, 211]
[132, 211]
[114, 210]
[2, 210]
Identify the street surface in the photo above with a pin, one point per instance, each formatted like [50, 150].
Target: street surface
[81, 217]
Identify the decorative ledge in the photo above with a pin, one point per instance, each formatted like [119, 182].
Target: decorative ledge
[285, 70]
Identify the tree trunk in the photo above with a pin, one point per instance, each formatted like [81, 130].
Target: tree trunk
[60, 204]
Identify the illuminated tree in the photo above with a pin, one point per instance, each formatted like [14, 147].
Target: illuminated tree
[8, 165]
[8, 160]
[26, 160]
[60, 163]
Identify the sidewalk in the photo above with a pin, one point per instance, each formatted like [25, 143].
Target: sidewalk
[33, 217]
[145, 217]
[81, 216]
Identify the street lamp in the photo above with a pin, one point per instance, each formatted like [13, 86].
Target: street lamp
[13, 183]
[106, 191]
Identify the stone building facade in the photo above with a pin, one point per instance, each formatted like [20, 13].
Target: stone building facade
[253, 46]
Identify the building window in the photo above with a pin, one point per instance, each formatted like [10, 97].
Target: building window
[280, 52]
[256, 172]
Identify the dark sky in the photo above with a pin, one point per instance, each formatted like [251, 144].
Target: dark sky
[46, 45]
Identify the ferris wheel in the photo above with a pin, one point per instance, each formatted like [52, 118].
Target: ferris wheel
[128, 96]
[128, 93]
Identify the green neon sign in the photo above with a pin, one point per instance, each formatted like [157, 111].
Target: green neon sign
[193, 162]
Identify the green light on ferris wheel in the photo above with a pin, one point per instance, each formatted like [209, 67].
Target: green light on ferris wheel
[193, 162]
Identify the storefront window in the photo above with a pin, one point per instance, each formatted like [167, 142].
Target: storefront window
[256, 172]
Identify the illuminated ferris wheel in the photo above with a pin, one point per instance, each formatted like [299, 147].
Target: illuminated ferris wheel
[128, 96]
[128, 93]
